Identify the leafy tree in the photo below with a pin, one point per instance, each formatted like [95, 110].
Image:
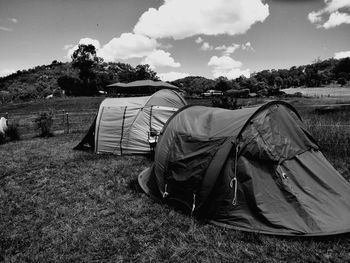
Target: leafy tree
[145, 72]
[194, 84]
[344, 75]
[103, 79]
[261, 88]
[342, 66]
[341, 81]
[125, 72]
[85, 59]
[5, 96]
[71, 85]
[243, 82]
[222, 84]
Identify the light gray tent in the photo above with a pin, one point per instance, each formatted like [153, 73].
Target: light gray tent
[3, 125]
[254, 169]
[123, 125]
[139, 87]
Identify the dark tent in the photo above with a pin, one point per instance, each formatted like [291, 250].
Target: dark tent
[254, 169]
[139, 87]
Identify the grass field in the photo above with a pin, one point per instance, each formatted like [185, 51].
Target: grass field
[60, 205]
[333, 91]
[56, 105]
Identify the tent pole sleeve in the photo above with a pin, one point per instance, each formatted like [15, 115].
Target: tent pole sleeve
[150, 119]
[122, 133]
[98, 129]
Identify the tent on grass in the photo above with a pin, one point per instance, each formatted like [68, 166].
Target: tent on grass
[254, 169]
[139, 87]
[3, 125]
[125, 125]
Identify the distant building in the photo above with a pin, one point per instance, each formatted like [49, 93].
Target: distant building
[213, 92]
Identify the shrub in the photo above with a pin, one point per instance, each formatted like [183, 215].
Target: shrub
[12, 132]
[44, 124]
[2, 138]
[341, 81]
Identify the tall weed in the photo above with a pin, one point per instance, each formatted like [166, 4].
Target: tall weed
[12, 132]
[2, 138]
[44, 124]
[331, 130]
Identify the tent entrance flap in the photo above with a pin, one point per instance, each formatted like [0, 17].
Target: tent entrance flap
[110, 129]
[88, 142]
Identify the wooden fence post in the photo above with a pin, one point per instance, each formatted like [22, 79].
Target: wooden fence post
[67, 122]
[63, 121]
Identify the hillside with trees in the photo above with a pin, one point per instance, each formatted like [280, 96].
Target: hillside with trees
[271, 82]
[88, 74]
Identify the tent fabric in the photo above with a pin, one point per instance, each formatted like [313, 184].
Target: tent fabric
[141, 87]
[255, 169]
[122, 125]
[3, 125]
[88, 142]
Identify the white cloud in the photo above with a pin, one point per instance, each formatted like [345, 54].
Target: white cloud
[6, 72]
[224, 62]
[199, 40]
[171, 76]
[227, 67]
[128, 45]
[247, 46]
[84, 41]
[233, 73]
[180, 19]
[68, 46]
[332, 9]
[342, 54]
[206, 46]
[164, 46]
[13, 20]
[160, 58]
[314, 17]
[7, 29]
[336, 19]
[228, 50]
[334, 5]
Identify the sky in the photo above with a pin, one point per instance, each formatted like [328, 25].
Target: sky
[177, 38]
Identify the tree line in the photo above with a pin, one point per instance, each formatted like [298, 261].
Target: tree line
[271, 82]
[87, 74]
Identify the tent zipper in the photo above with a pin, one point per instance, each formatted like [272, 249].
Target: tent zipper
[193, 204]
[234, 179]
[165, 194]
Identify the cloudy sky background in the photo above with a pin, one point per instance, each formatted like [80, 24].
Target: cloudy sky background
[176, 37]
